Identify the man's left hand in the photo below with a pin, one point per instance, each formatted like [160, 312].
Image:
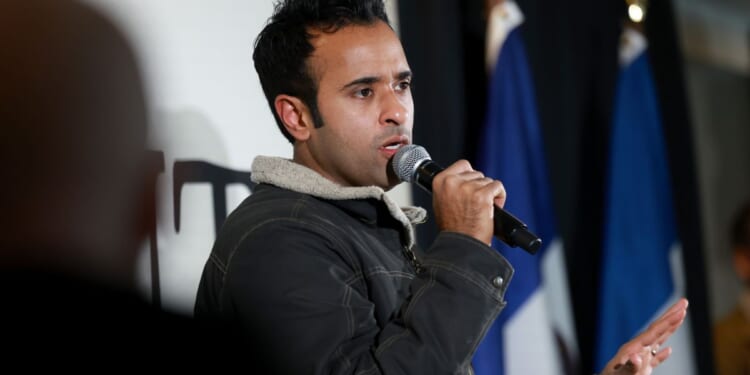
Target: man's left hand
[642, 354]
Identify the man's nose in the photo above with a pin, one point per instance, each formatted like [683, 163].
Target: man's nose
[395, 109]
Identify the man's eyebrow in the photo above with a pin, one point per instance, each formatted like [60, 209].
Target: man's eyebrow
[404, 75]
[373, 79]
[362, 81]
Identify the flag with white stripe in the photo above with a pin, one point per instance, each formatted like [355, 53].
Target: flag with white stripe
[641, 260]
[534, 334]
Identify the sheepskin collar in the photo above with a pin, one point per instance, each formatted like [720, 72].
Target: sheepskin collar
[289, 175]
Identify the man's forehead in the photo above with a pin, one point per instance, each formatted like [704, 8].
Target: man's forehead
[358, 50]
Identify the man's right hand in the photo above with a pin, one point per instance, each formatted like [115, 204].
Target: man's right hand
[464, 201]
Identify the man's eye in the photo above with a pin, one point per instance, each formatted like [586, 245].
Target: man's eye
[363, 93]
[404, 85]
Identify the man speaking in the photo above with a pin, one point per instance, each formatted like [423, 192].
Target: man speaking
[318, 266]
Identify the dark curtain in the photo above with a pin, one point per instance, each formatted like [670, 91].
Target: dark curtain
[573, 52]
[572, 48]
[444, 52]
[670, 83]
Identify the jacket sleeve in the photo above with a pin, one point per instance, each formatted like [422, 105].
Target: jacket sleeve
[295, 297]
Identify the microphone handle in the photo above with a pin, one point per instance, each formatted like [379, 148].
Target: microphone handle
[507, 227]
[514, 232]
[426, 172]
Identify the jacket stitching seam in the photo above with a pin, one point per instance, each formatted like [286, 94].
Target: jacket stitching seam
[485, 327]
[242, 239]
[430, 283]
[391, 340]
[377, 271]
[216, 260]
[349, 312]
[464, 275]
[350, 324]
[371, 370]
[245, 235]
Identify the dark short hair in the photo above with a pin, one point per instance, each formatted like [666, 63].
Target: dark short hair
[283, 47]
[740, 235]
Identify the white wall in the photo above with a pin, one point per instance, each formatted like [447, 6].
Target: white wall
[206, 104]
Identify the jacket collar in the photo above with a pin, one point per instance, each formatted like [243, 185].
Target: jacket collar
[289, 175]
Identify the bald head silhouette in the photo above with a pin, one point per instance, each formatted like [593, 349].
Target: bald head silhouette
[76, 203]
[73, 147]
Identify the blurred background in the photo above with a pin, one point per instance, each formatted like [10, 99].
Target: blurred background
[210, 119]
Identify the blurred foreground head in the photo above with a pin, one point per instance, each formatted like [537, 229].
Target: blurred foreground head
[73, 119]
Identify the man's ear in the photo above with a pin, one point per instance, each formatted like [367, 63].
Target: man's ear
[295, 116]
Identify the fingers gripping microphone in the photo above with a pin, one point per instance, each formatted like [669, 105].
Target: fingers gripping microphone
[412, 163]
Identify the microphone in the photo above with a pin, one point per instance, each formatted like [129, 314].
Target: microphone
[413, 164]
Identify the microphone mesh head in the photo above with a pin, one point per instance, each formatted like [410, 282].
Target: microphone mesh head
[406, 161]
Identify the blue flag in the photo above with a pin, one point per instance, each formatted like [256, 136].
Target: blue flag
[641, 266]
[525, 338]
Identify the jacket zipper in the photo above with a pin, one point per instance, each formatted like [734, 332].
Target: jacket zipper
[412, 258]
